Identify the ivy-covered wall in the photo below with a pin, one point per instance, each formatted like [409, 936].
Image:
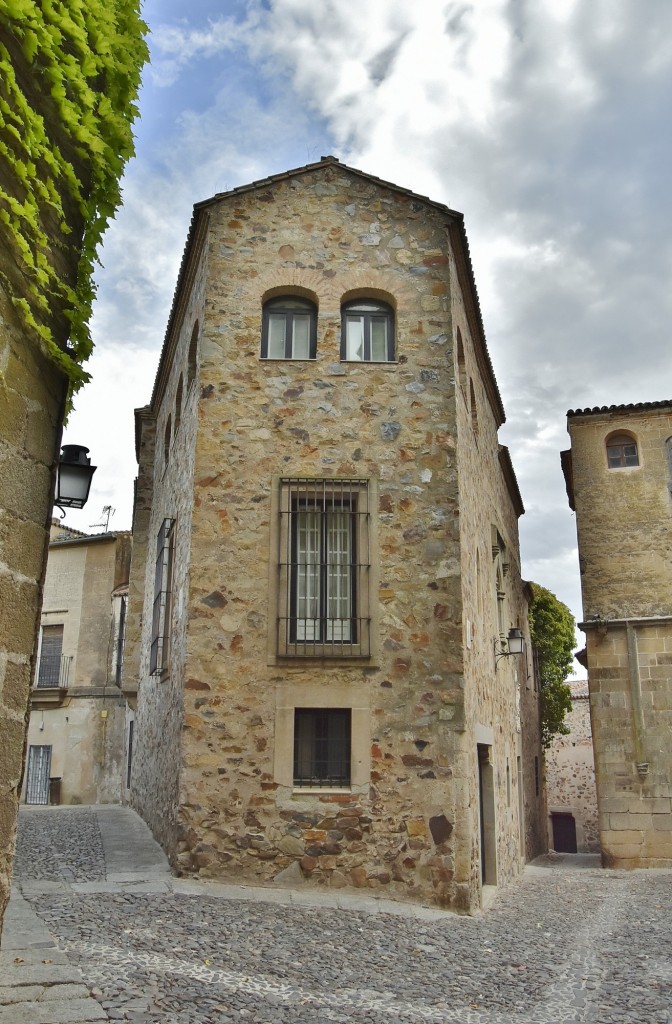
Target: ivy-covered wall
[69, 79]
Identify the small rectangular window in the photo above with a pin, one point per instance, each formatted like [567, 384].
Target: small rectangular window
[322, 747]
[160, 642]
[324, 568]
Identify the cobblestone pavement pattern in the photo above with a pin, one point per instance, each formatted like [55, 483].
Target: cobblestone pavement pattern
[559, 947]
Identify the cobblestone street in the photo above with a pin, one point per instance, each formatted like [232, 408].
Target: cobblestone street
[563, 945]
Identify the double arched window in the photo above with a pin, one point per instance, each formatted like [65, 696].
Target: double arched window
[367, 331]
[289, 328]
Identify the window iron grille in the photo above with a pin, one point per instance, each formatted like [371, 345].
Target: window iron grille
[322, 747]
[325, 562]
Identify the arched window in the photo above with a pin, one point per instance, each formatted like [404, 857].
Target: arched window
[461, 364]
[289, 329]
[622, 451]
[192, 356]
[474, 411]
[178, 404]
[367, 331]
[166, 440]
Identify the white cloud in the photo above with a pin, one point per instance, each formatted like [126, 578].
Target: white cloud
[544, 123]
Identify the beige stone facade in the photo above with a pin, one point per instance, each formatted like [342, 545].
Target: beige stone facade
[570, 781]
[619, 480]
[258, 477]
[77, 728]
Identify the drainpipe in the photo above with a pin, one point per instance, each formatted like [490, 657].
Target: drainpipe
[636, 699]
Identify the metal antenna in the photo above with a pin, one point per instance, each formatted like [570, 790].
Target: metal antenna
[108, 511]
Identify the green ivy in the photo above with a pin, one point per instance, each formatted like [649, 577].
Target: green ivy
[69, 81]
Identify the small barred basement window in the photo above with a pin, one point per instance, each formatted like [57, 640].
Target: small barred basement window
[322, 747]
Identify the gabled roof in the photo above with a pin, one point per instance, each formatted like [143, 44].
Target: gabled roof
[196, 238]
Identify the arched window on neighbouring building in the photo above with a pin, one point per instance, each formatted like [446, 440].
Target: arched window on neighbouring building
[622, 451]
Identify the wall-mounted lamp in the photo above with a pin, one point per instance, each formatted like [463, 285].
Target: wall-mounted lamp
[514, 644]
[73, 478]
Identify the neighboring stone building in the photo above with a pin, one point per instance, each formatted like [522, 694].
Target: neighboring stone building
[570, 781]
[619, 481]
[326, 556]
[77, 727]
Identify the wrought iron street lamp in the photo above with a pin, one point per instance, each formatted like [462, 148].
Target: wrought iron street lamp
[73, 478]
[514, 644]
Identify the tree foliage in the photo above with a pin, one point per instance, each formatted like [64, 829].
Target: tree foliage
[552, 630]
[69, 79]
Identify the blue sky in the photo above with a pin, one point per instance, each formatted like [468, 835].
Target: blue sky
[546, 122]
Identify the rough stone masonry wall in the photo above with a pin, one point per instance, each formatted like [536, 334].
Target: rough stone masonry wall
[492, 694]
[164, 490]
[32, 394]
[330, 235]
[625, 528]
[570, 776]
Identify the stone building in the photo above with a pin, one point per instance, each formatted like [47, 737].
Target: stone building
[619, 481]
[77, 727]
[570, 781]
[326, 556]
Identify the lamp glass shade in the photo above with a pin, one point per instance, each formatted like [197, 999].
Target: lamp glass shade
[516, 641]
[73, 479]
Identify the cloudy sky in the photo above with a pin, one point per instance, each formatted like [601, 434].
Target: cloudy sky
[546, 122]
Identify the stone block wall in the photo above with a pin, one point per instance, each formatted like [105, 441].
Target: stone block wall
[631, 712]
[625, 532]
[32, 396]
[409, 824]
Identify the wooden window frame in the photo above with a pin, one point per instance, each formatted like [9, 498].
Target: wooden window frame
[617, 456]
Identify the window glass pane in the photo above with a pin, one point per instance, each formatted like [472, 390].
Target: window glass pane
[368, 307]
[630, 454]
[339, 558]
[301, 336]
[308, 557]
[277, 325]
[379, 338]
[354, 337]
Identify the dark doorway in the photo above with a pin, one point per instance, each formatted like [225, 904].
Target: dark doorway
[564, 832]
[486, 788]
[37, 775]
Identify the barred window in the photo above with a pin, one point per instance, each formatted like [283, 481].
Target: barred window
[322, 747]
[324, 605]
[160, 643]
[53, 668]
